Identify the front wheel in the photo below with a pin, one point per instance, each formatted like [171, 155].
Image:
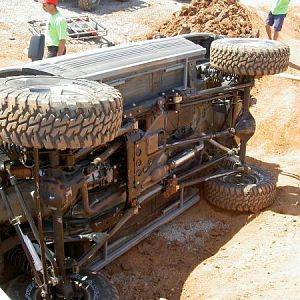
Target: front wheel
[251, 191]
[86, 286]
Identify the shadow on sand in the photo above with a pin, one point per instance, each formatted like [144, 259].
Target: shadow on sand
[110, 6]
[160, 265]
[105, 6]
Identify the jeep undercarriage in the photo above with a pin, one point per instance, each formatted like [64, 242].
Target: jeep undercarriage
[102, 148]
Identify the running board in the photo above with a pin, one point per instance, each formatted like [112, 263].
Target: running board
[168, 214]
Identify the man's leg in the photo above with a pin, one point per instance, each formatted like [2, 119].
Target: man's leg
[276, 35]
[269, 23]
[268, 30]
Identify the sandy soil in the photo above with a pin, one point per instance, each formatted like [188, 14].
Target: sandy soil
[225, 17]
[208, 253]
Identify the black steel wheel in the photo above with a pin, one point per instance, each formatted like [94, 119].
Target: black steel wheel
[249, 57]
[58, 113]
[86, 286]
[88, 5]
[251, 191]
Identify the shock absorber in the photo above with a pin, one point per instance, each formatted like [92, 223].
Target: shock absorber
[53, 195]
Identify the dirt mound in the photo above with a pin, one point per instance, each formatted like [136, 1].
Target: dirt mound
[226, 17]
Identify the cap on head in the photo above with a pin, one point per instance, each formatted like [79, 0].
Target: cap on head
[54, 2]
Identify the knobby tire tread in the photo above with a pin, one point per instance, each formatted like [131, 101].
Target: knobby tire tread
[88, 5]
[244, 197]
[31, 120]
[257, 59]
[17, 287]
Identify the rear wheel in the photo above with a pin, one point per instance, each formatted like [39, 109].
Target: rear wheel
[249, 57]
[88, 5]
[86, 286]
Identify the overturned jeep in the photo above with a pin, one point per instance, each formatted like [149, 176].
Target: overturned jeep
[99, 149]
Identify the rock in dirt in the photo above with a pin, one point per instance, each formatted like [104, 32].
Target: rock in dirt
[127, 265]
[227, 17]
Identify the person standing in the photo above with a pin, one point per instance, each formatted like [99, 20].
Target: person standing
[56, 30]
[276, 17]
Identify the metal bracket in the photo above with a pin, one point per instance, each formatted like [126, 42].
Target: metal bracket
[16, 220]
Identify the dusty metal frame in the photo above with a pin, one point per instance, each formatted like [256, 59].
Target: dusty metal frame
[79, 28]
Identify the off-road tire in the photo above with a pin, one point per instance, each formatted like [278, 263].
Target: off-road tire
[250, 192]
[94, 286]
[88, 5]
[249, 57]
[58, 113]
